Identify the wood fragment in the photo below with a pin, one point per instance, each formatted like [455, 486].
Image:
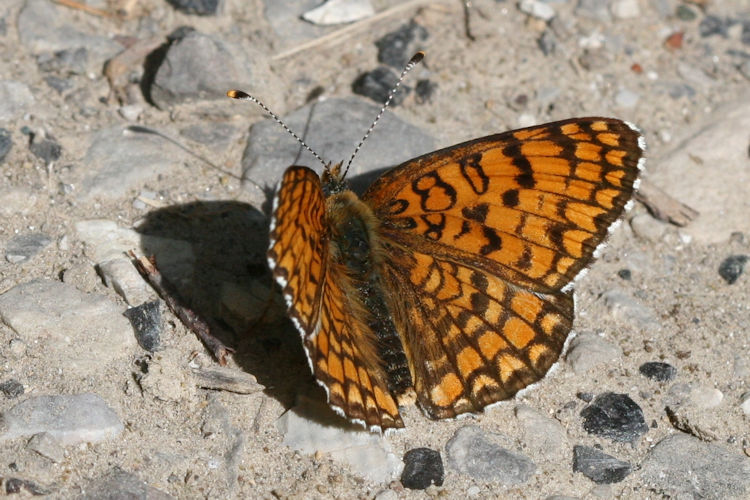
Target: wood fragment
[72, 4]
[664, 207]
[226, 379]
[189, 318]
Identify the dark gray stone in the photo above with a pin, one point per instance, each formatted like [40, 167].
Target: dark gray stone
[333, 129]
[424, 90]
[22, 247]
[15, 485]
[614, 416]
[59, 84]
[471, 451]
[396, 48]
[713, 25]
[376, 85]
[732, 267]
[199, 67]
[655, 370]
[45, 148]
[197, 7]
[547, 42]
[423, 467]
[11, 388]
[146, 321]
[598, 466]
[681, 466]
[6, 143]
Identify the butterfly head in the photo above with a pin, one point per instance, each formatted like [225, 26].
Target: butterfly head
[332, 179]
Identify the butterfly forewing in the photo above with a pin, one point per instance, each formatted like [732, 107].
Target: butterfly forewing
[529, 205]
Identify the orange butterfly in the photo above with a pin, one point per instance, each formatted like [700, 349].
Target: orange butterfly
[450, 279]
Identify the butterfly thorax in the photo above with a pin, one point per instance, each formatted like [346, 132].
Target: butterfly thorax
[354, 244]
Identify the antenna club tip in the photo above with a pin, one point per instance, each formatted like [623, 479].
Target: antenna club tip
[236, 94]
[417, 57]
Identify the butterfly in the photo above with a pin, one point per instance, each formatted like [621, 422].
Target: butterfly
[450, 279]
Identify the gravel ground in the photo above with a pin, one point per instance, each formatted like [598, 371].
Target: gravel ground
[116, 135]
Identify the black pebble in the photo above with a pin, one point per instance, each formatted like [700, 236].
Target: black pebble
[377, 83]
[396, 48]
[625, 274]
[655, 370]
[614, 416]
[425, 89]
[732, 267]
[6, 143]
[46, 149]
[11, 388]
[198, 7]
[598, 466]
[422, 467]
[146, 321]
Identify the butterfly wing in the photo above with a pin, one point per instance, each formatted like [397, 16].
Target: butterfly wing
[525, 210]
[324, 306]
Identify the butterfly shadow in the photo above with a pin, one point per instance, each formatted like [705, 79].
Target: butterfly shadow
[213, 253]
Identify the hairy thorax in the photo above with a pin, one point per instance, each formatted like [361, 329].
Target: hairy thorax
[354, 244]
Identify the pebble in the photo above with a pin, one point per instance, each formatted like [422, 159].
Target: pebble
[741, 366]
[626, 98]
[598, 466]
[713, 25]
[334, 129]
[64, 62]
[377, 84]
[655, 370]
[745, 403]
[616, 417]
[45, 148]
[131, 112]
[197, 7]
[64, 319]
[588, 350]
[545, 437]
[594, 9]
[471, 451]
[625, 9]
[732, 267]
[11, 388]
[120, 484]
[537, 8]
[146, 321]
[82, 276]
[200, 67]
[17, 348]
[681, 466]
[121, 275]
[625, 274]
[312, 427]
[6, 143]
[339, 12]
[685, 13]
[44, 26]
[423, 467]
[720, 198]
[15, 99]
[629, 310]
[22, 247]
[71, 419]
[547, 42]
[647, 227]
[704, 397]
[120, 161]
[424, 90]
[47, 446]
[15, 485]
[396, 48]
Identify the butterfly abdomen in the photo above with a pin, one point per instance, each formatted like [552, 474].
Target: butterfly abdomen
[354, 245]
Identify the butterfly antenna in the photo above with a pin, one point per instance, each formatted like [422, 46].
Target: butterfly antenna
[415, 59]
[243, 96]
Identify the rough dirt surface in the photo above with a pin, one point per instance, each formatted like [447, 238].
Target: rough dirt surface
[616, 58]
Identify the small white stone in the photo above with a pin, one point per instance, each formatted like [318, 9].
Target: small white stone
[537, 9]
[130, 112]
[648, 228]
[339, 11]
[17, 348]
[745, 403]
[626, 98]
[706, 397]
[625, 9]
[526, 120]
